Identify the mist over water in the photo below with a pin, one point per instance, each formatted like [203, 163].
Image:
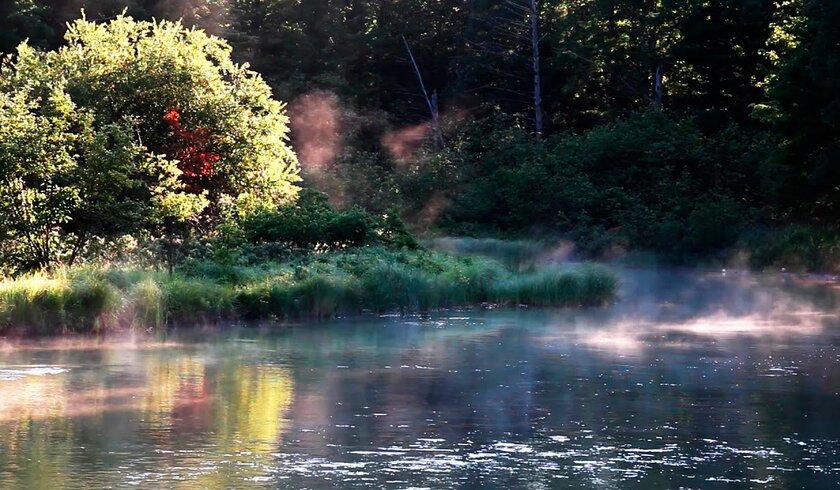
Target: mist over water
[689, 380]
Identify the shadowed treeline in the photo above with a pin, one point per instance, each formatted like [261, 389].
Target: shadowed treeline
[695, 130]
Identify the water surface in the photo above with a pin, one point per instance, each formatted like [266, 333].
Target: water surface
[691, 380]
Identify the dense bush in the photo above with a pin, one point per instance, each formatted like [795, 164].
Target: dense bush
[131, 128]
[646, 182]
[311, 224]
[796, 248]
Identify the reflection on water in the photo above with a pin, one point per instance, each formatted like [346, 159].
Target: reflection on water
[691, 380]
[119, 416]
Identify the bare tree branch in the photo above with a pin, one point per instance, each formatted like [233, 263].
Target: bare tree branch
[431, 102]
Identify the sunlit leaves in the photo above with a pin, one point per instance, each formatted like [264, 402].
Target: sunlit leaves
[131, 127]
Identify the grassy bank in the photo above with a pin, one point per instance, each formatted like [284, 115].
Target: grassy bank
[515, 253]
[93, 299]
[793, 248]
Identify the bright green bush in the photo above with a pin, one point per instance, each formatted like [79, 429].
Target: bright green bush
[131, 128]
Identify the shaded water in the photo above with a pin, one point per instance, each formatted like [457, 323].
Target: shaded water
[691, 380]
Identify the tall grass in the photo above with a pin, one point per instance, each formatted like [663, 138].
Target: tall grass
[512, 252]
[585, 285]
[319, 286]
[61, 302]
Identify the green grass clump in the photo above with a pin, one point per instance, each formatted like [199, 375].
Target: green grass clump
[146, 300]
[193, 299]
[91, 299]
[399, 287]
[61, 302]
[589, 285]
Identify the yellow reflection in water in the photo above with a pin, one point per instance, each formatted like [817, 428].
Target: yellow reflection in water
[248, 425]
[33, 397]
[264, 394]
[171, 385]
[41, 452]
[207, 425]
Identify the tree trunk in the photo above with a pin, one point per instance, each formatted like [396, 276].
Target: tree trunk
[658, 91]
[77, 248]
[535, 64]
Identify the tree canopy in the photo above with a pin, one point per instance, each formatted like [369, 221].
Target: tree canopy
[674, 110]
[132, 126]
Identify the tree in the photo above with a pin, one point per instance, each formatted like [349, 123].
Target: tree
[721, 59]
[133, 125]
[804, 109]
[21, 19]
[502, 60]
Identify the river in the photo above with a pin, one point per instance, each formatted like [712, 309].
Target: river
[697, 380]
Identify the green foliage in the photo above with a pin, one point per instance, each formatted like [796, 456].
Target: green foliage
[514, 253]
[650, 140]
[22, 19]
[797, 248]
[319, 286]
[311, 223]
[804, 109]
[86, 149]
[645, 182]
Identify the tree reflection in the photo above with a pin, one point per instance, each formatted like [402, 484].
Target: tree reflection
[204, 418]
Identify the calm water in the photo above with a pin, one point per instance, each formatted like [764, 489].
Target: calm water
[692, 380]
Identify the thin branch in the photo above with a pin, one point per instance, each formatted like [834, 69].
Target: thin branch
[431, 102]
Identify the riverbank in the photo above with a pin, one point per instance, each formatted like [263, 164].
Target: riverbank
[370, 280]
[798, 249]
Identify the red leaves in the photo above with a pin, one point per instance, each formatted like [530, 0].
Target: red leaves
[173, 117]
[191, 150]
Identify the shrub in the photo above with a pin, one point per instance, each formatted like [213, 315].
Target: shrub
[311, 223]
[797, 248]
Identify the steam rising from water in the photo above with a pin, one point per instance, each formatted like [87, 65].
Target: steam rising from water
[403, 143]
[316, 125]
[318, 138]
[688, 310]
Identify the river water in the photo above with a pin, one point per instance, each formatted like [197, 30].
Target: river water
[695, 380]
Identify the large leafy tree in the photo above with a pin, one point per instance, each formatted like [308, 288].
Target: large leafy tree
[804, 108]
[132, 125]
